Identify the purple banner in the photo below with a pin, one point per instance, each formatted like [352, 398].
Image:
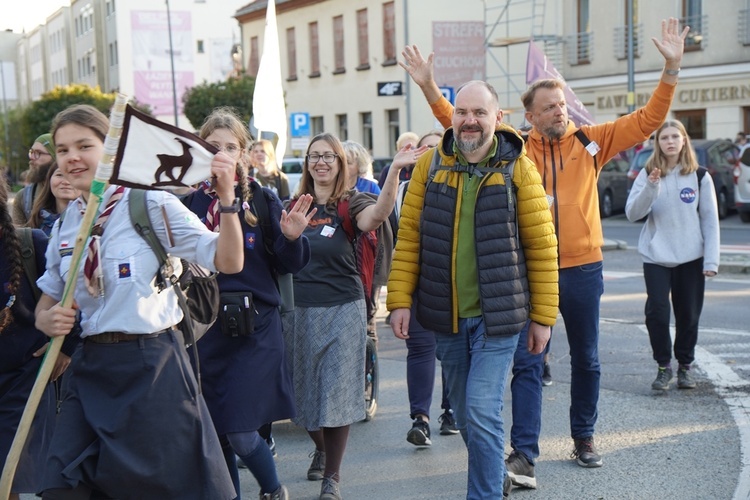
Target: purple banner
[538, 67]
[459, 52]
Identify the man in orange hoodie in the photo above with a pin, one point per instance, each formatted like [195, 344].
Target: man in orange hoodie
[569, 170]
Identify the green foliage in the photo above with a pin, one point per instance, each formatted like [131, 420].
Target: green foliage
[200, 100]
[26, 124]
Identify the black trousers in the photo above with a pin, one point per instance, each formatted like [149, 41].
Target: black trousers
[687, 285]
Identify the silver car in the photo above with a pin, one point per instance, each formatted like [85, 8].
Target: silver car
[742, 185]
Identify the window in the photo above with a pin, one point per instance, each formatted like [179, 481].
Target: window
[362, 43]
[316, 123]
[393, 128]
[343, 128]
[745, 118]
[200, 47]
[694, 121]
[584, 42]
[291, 54]
[314, 50]
[252, 66]
[366, 121]
[621, 33]
[389, 34]
[692, 15]
[338, 45]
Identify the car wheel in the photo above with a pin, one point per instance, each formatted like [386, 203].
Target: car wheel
[605, 205]
[721, 201]
[745, 216]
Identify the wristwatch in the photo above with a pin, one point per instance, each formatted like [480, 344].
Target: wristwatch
[231, 209]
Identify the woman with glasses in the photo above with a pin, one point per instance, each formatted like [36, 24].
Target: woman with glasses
[41, 156]
[327, 344]
[243, 366]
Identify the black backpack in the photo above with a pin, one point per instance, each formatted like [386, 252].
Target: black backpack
[198, 290]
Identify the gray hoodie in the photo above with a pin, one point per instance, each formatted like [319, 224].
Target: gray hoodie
[683, 221]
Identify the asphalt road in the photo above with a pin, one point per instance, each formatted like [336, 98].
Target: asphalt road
[675, 445]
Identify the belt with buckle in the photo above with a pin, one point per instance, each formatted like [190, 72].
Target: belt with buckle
[116, 337]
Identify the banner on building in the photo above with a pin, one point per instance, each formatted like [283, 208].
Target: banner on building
[538, 67]
[459, 52]
[152, 62]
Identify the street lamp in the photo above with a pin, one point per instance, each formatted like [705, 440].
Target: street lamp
[171, 61]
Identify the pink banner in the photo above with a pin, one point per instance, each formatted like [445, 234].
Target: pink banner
[152, 61]
[459, 52]
[538, 67]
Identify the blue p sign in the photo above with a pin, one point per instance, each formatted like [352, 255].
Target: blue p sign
[300, 124]
[448, 94]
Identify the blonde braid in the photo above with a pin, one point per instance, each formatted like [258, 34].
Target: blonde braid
[247, 194]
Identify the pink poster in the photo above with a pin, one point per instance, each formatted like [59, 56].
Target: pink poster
[152, 61]
[459, 52]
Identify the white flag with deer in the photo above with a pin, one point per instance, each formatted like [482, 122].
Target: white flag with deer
[155, 155]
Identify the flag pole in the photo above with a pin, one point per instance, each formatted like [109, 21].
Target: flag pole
[98, 186]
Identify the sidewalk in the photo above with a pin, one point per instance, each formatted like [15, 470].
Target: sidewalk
[728, 263]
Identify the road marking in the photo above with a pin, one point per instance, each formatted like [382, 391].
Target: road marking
[725, 380]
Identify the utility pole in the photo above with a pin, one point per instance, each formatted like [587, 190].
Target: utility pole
[171, 61]
[631, 63]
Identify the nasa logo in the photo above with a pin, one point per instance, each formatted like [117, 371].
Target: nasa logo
[687, 195]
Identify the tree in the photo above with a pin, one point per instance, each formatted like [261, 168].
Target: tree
[237, 93]
[26, 124]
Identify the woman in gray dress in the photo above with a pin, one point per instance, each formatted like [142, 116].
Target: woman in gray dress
[327, 344]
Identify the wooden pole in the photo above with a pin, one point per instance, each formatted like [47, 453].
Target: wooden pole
[98, 186]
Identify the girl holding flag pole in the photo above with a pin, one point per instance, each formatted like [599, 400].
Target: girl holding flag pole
[133, 423]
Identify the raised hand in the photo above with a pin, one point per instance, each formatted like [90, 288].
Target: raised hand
[654, 176]
[672, 43]
[408, 156]
[415, 64]
[294, 222]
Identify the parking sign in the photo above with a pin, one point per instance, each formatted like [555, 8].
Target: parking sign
[300, 124]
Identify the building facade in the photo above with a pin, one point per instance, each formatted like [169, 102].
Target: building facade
[339, 58]
[125, 47]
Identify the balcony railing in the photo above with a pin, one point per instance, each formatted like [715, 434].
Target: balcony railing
[743, 29]
[697, 39]
[580, 48]
[621, 41]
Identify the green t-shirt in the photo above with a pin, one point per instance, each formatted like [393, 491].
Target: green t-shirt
[467, 279]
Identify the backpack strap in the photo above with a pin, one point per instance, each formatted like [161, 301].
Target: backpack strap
[700, 173]
[29, 260]
[342, 207]
[284, 283]
[586, 141]
[138, 208]
[260, 203]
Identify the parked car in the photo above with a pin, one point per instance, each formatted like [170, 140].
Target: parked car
[742, 185]
[719, 156]
[613, 186]
[378, 164]
[292, 167]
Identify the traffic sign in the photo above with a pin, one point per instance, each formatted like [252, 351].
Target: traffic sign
[448, 93]
[300, 124]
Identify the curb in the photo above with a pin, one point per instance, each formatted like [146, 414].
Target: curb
[729, 263]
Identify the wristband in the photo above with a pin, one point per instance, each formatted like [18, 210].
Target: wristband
[672, 72]
[231, 209]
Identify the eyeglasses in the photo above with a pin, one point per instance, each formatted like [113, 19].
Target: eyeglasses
[229, 149]
[327, 158]
[35, 154]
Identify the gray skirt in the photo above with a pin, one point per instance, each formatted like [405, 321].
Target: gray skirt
[133, 426]
[327, 354]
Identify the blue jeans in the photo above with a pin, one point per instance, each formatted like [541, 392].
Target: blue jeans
[420, 369]
[581, 290]
[476, 368]
[526, 390]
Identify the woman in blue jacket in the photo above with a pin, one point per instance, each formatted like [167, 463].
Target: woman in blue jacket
[243, 368]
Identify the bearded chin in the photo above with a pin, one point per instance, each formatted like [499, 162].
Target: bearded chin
[469, 146]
